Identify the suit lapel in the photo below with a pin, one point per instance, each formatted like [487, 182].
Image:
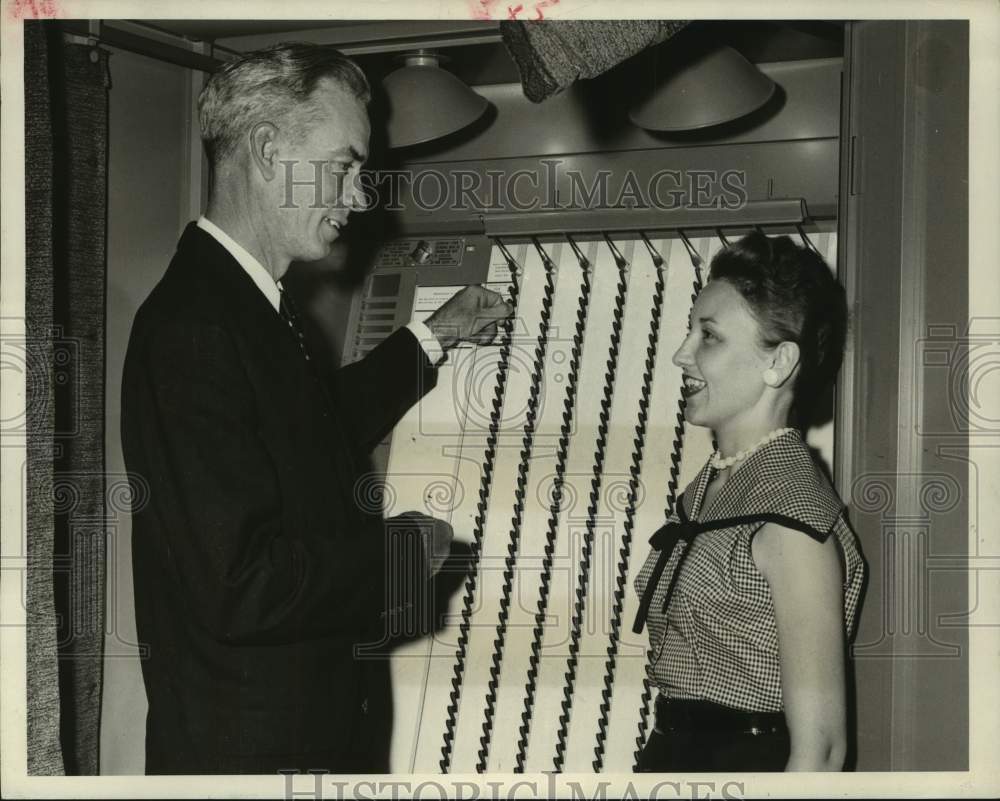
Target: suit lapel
[264, 338]
[236, 293]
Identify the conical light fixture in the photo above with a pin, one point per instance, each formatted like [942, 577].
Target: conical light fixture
[717, 86]
[427, 102]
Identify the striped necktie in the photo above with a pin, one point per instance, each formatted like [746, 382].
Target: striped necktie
[287, 310]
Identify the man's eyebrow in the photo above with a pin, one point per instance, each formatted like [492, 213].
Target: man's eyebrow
[354, 154]
[707, 320]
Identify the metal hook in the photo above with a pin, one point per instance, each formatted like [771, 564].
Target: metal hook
[549, 265]
[656, 257]
[807, 241]
[619, 258]
[580, 257]
[696, 260]
[515, 268]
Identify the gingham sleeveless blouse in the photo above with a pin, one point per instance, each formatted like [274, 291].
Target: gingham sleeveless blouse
[718, 639]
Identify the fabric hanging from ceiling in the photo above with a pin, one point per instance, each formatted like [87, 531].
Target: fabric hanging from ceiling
[66, 118]
[552, 54]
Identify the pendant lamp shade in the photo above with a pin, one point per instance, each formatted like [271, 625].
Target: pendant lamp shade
[716, 87]
[427, 102]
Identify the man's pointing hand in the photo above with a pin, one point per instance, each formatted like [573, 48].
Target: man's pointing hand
[471, 315]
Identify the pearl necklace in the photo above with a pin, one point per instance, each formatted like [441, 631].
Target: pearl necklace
[719, 463]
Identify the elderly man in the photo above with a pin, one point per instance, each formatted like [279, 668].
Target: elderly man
[256, 570]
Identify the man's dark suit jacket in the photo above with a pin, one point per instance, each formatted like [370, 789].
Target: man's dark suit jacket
[256, 570]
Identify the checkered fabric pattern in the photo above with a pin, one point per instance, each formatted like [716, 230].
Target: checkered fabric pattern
[718, 640]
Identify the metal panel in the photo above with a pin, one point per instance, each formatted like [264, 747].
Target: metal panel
[717, 180]
[590, 117]
[635, 220]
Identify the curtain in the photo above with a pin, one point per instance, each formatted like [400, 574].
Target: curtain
[66, 135]
[44, 753]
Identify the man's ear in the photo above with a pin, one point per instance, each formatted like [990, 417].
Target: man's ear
[264, 149]
[786, 359]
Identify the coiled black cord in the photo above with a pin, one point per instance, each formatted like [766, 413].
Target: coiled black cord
[600, 447]
[520, 490]
[569, 406]
[675, 469]
[638, 446]
[485, 486]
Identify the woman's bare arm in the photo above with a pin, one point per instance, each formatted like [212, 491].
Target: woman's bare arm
[806, 585]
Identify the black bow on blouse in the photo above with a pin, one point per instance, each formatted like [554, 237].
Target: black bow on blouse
[664, 541]
[667, 537]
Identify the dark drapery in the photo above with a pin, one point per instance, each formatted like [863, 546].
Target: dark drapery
[44, 753]
[66, 135]
[553, 54]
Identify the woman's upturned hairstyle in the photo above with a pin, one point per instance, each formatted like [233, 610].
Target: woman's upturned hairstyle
[794, 296]
[269, 83]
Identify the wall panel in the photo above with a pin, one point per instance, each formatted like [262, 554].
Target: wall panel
[536, 667]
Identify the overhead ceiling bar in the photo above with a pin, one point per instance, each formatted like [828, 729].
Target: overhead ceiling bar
[521, 226]
[385, 36]
[764, 212]
[154, 44]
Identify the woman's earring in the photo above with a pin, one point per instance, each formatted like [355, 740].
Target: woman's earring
[770, 377]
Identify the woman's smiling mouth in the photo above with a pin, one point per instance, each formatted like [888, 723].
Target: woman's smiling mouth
[692, 386]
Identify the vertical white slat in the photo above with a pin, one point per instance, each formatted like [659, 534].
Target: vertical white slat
[473, 386]
[512, 692]
[613, 490]
[482, 632]
[624, 719]
[551, 671]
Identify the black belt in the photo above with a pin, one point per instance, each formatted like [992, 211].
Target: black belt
[697, 715]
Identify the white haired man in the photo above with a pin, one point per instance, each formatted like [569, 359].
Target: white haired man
[256, 569]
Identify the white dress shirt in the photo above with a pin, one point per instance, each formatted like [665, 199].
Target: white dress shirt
[272, 291]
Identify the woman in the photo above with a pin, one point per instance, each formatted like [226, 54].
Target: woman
[757, 553]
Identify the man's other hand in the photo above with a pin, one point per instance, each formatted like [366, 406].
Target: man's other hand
[439, 544]
[471, 315]
[435, 536]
